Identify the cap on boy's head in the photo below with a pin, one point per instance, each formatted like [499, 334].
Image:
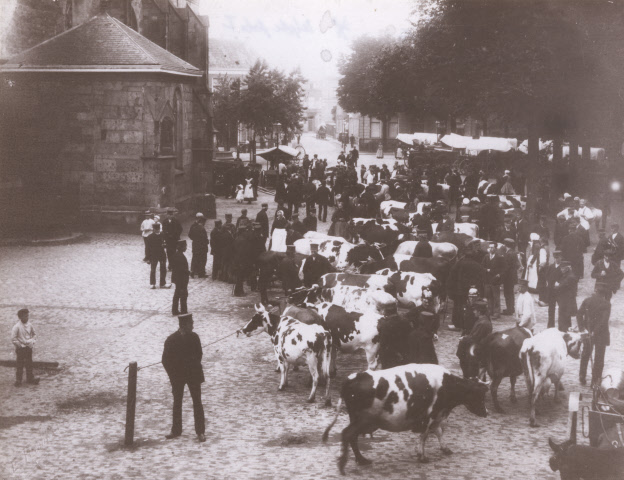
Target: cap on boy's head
[199, 215]
[185, 318]
[218, 223]
[181, 243]
[22, 313]
[265, 205]
[228, 216]
[566, 264]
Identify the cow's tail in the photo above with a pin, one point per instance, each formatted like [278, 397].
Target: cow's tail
[326, 357]
[329, 427]
[527, 368]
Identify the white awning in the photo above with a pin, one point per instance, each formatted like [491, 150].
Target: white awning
[475, 145]
[426, 138]
[406, 138]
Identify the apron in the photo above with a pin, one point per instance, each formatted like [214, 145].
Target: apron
[278, 240]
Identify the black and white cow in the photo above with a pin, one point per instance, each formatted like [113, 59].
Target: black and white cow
[352, 331]
[343, 255]
[353, 299]
[408, 287]
[292, 340]
[388, 232]
[443, 250]
[543, 361]
[416, 397]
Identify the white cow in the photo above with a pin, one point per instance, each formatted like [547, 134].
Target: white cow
[358, 299]
[543, 361]
[409, 287]
[337, 251]
[387, 205]
[444, 250]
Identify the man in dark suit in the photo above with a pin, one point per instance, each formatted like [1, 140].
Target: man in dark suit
[510, 275]
[182, 361]
[263, 219]
[565, 290]
[604, 245]
[156, 255]
[423, 248]
[593, 316]
[464, 275]
[617, 239]
[171, 231]
[523, 232]
[606, 271]
[553, 275]
[322, 198]
[494, 265]
[199, 237]
[490, 219]
[315, 267]
[216, 240]
[180, 277]
[310, 222]
[288, 271]
[572, 251]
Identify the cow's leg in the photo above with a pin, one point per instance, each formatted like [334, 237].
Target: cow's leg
[494, 391]
[438, 433]
[533, 398]
[350, 437]
[513, 398]
[422, 458]
[372, 356]
[313, 367]
[557, 386]
[283, 366]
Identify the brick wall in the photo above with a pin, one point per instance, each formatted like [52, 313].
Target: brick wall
[95, 135]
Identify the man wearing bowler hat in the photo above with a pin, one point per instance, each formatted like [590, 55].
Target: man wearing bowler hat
[315, 267]
[171, 231]
[182, 361]
[180, 276]
[23, 338]
[263, 219]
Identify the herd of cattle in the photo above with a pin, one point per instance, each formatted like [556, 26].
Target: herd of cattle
[356, 309]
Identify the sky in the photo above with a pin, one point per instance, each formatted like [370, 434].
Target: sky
[311, 34]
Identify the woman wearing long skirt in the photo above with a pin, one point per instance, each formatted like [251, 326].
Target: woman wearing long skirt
[538, 258]
[248, 194]
[340, 223]
[278, 233]
[380, 150]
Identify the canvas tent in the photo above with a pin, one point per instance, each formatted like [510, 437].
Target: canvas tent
[281, 153]
[474, 146]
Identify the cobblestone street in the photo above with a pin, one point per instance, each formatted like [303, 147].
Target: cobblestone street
[94, 313]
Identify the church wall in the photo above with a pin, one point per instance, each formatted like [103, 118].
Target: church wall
[95, 137]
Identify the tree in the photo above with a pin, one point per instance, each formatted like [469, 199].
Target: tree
[271, 97]
[226, 98]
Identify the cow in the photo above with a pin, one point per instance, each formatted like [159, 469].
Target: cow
[292, 340]
[543, 361]
[374, 282]
[470, 229]
[353, 299]
[352, 331]
[343, 255]
[498, 355]
[416, 397]
[470, 344]
[444, 250]
[408, 287]
[388, 232]
[387, 205]
[576, 462]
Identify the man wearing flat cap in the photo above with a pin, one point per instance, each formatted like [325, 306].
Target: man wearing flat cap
[23, 338]
[180, 277]
[199, 237]
[565, 291]
[182, 361]
[593, 316]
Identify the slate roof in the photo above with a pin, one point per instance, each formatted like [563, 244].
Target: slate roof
[101, 44]
[229, 55]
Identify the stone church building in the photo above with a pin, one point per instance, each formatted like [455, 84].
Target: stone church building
[106, 118]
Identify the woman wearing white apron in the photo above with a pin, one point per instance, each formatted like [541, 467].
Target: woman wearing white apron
[380, 150]
[248, 194]
[278, 233]
[537, 257]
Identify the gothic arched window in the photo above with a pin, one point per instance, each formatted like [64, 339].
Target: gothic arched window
[167, 135]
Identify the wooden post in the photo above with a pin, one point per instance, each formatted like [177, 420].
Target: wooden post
[131, 403]
[573, 407]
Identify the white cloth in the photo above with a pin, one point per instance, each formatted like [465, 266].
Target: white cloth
[399, 152]
[147, 227]
[240, 195]
[533, 267]
[525, 310]
[278, 240]
[23, 335]
[248, 194]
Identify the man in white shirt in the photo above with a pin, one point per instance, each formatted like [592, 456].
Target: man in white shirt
[525, 306]
[147, 227]
[23, 338]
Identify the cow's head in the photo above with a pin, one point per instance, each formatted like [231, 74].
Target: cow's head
[475, 397]
[468, 357]
[557, 461]
[574, 341]
[260, 322]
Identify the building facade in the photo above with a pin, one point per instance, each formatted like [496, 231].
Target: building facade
[100, 122]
